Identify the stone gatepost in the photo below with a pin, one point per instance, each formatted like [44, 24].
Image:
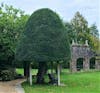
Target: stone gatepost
[86, 64]
[97, 64]
[73, 67]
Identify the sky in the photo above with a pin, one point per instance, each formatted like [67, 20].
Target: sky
[90, 9]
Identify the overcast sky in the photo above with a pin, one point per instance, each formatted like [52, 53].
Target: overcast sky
[65, 8]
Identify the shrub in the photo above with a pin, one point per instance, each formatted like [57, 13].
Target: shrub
[7, 75]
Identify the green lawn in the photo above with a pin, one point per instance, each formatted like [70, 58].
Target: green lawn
[21, 71]
[84, 82]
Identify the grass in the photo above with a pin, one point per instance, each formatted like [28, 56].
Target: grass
[21, 71]
[84, 82]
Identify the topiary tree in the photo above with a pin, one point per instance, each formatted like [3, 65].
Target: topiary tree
[44, 40]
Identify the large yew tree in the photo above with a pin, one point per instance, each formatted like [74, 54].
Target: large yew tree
[44, 40]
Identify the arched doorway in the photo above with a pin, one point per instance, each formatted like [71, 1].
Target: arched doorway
[79, 64]
[92, 63]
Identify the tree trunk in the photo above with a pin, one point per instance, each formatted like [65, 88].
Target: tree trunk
[26, 70]
[41, 72]
[51, 67]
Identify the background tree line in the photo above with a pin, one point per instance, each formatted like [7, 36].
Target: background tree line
[79, 30]
[12, 23]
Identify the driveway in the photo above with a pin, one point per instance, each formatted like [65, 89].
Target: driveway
[11, 86]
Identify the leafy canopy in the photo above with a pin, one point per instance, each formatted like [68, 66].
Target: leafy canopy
[12, 22]
[79, 30]
[44, 38]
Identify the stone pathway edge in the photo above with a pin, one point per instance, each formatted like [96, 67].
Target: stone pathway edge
[19, 87]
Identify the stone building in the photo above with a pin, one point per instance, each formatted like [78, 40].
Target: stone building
[84, 52]
[97, 62]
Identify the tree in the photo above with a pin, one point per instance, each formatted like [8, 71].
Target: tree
[94, 42]
[94, 31]
[79, 31]
[12, 22]
[94, 37]
[44, 40]
[80, 27]
[70, 31]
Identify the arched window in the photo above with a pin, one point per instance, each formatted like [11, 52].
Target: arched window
[92, 63]
[79, 64]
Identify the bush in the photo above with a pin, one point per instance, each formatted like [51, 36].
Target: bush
[7, 75]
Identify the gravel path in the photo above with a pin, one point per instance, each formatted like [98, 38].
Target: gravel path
[12, 86]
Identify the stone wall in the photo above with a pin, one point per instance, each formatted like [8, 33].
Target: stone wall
[81, 51]
[97, 62]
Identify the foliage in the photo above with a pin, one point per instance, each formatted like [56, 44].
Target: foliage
[94, 37]
[70, 31]
[80, 27]
[94, 31]
[94, 42]
[7, 75]
[12, 22]
[44, 38]
[79, 30]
